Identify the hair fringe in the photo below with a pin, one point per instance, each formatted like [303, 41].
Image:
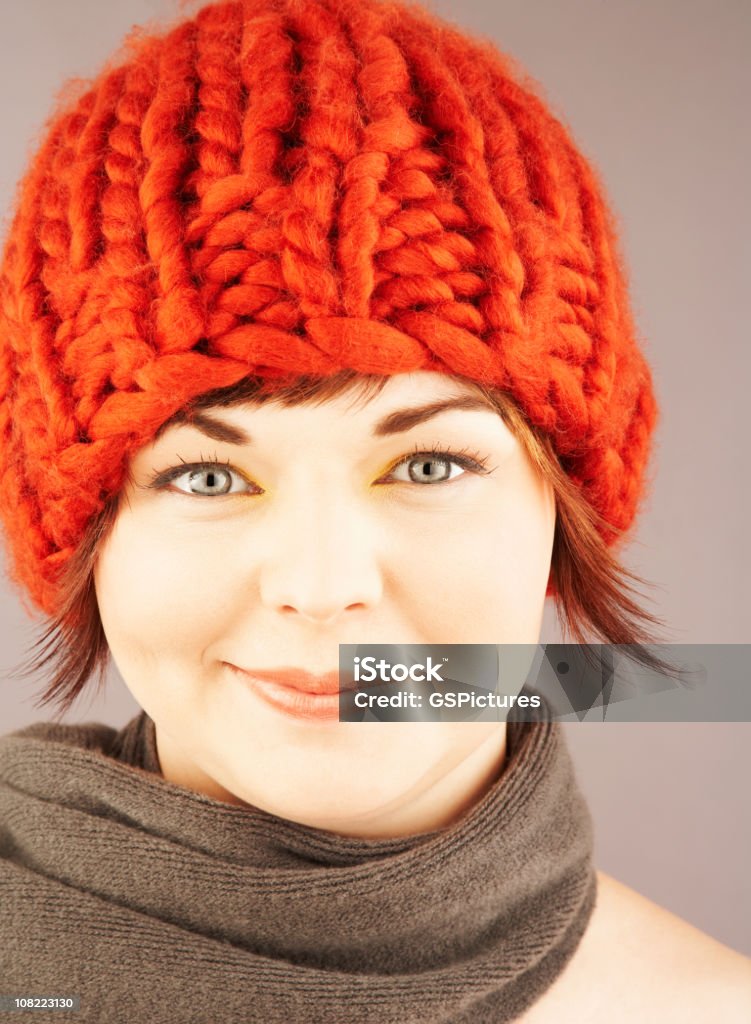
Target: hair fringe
[594, 596]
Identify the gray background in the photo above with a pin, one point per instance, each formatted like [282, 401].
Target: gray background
[655, 92]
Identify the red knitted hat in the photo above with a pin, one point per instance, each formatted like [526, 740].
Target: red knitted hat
[292, 187]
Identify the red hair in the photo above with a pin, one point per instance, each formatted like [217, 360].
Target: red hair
[593, 595]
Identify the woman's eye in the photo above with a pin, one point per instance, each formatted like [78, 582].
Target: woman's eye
[421, 465]
[429, 467]
[202, 479]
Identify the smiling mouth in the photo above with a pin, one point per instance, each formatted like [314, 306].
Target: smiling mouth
[321, 706]
[328, 684]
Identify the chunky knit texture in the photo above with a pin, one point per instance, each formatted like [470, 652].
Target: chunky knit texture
[286, 187]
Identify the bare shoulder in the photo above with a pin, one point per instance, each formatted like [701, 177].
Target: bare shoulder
[638, 961]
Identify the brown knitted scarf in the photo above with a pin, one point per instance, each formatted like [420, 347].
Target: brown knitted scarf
[154, 903]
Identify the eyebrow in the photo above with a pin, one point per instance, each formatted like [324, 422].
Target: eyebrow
[396, 422]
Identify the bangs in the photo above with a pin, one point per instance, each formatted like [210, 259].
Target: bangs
[302, 390]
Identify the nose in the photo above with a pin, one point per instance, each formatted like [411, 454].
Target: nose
[322, 560]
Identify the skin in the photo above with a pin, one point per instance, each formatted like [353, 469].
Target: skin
[639, 962]
[324, 540]
[310, 551]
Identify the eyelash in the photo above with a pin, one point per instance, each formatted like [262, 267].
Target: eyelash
[472, 461]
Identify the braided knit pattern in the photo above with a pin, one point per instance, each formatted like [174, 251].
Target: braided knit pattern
[287, 187]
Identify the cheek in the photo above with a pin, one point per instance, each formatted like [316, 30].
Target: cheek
[152, 596]
[493, 574]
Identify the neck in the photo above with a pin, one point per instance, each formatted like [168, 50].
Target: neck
[435, 803]
[444, 800]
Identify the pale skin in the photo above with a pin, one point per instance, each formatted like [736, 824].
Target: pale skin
[325, 539]
[637, 963]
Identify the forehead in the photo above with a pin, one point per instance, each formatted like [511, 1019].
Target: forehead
[397, 396]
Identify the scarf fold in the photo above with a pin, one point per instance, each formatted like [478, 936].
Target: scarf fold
[152, 902]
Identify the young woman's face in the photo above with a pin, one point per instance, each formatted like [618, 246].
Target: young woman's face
[323, 530]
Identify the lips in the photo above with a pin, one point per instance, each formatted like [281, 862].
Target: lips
[299, 679]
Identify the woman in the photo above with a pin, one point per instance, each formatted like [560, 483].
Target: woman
[314, 333]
